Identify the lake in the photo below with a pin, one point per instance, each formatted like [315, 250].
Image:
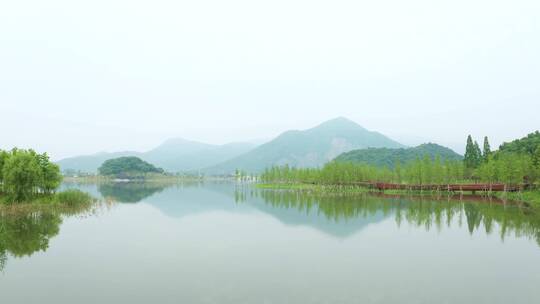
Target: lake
[227, 243]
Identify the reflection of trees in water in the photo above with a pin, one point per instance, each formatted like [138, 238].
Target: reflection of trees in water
[25, 232]
[129, 192]
[420, 212]
[3, 258]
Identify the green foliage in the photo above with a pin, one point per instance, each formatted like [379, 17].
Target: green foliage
[22, 235]
[487, 150]
[536, 160]
[73, 197]
[390, 157]
[506, 168]
[3, 158]
[525, 145]
[473, 155]
[25, 174]
[420, 171]
[514, 163]
[28, 228]
[477, 153]
[128, 166]
[531, 197]
[529, 145]
[50, 177]
[21, 176]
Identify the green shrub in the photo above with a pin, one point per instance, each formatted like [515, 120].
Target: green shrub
[25, 175]
[73, 198]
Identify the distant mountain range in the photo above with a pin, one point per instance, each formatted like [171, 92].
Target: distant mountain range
[308, 148]
[388, 157]
[174, 155]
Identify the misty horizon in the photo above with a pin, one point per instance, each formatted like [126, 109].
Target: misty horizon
[218, 73]
[458, 147]
[404, 138]
[286, 151]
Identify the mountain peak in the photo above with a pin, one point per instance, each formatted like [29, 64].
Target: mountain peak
[340, 119]
[177, 141]
[340, 123]
[308, 148]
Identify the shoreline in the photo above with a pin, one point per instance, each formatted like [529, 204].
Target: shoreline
[97, 179]
[68, 200]
[531, 198]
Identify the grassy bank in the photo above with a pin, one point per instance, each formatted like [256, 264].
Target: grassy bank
[331, 189]
[532, 198]
[68, 198]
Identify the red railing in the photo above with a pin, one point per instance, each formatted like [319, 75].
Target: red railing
[450, 187]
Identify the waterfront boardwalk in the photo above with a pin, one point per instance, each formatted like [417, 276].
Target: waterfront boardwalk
[450, 187]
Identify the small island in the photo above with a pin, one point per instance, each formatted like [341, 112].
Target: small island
[129, 168]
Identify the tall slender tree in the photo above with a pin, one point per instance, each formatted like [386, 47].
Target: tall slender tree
[470, 154]
[487, 150]
[536, 158]
[477, 155]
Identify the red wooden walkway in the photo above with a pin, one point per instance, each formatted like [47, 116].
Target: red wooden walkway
[450, 187]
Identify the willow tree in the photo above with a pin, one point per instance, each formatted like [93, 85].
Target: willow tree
[21, 176]
[25, 174]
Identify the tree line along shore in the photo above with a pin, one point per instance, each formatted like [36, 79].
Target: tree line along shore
[29, 177]
[515, 166]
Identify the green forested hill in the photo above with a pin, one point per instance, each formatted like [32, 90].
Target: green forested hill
[309, 148]
[127, 166]
[528, 145]
[388, 157]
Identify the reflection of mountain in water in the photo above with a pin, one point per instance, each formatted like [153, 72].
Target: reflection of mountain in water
[309, 213]
[23, 234]
[184, 200]
[347, 214]
[336, 215]
[339, 216]
[190, 199]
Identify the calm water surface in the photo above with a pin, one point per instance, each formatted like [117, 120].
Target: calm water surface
[219, 243]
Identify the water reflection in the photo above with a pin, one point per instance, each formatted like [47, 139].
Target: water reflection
[25, 231]
[339, 216]
[134, 192]
[254, 245]
[129, 192]
[423, 212]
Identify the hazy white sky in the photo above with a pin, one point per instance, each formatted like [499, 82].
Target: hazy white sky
[87, 76]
